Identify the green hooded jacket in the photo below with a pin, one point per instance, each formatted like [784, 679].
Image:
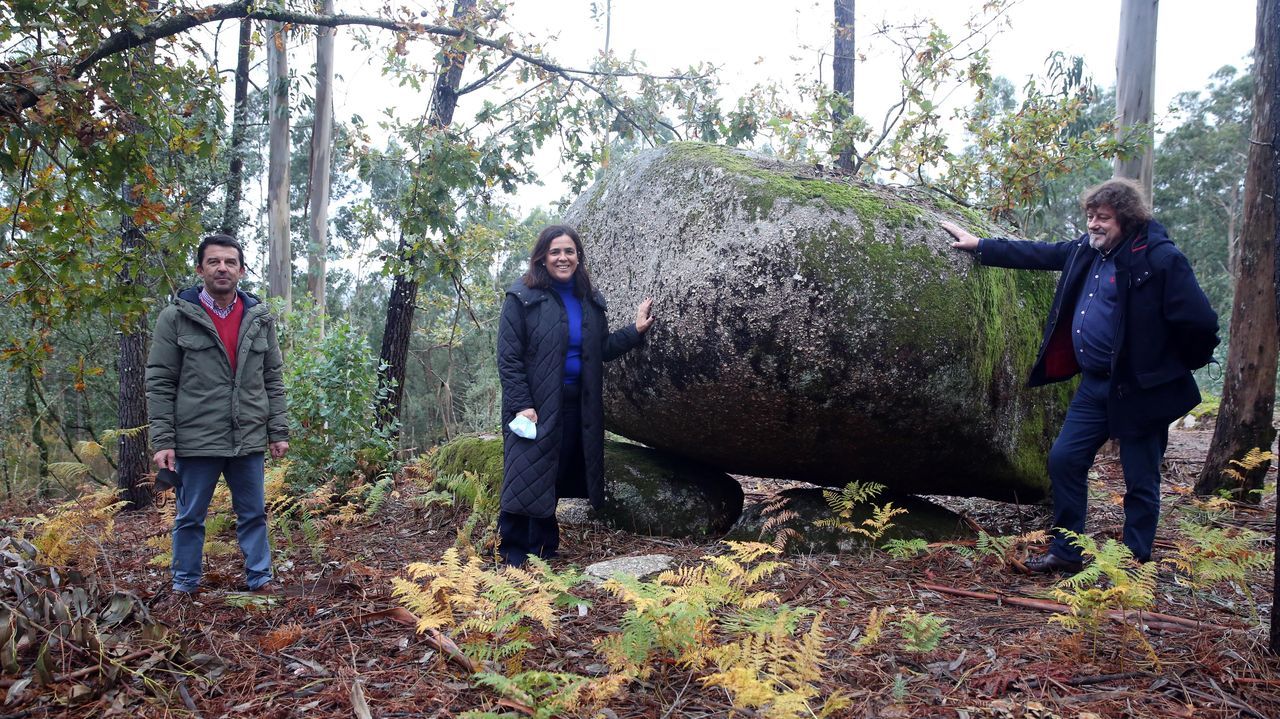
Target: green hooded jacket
[194, 404]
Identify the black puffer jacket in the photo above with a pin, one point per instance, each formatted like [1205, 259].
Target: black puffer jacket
[533, 338]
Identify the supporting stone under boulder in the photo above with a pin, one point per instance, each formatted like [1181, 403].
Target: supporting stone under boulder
[646, 492]
[923, 520]
[811, 327]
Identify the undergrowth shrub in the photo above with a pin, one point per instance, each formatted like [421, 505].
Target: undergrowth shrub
[73, 532]
[331, 376]
[1206, 556]
[1112, 581]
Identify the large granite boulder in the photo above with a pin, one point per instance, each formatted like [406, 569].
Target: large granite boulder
[646, 492]
[814, 328]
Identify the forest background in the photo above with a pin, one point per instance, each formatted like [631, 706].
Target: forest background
[108, 180]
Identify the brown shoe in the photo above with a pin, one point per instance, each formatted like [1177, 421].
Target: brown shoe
[1050, 563]
[269, 588]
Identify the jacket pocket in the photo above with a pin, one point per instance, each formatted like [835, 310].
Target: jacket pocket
[196, 342]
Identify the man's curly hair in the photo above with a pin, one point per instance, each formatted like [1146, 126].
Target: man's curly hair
[1124, 196]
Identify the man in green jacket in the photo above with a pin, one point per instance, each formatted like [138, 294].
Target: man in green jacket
[215, 397]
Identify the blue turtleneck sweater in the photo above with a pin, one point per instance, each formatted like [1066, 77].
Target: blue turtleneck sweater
[573, 310]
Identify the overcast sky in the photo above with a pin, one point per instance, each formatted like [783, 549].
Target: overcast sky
[753, 42]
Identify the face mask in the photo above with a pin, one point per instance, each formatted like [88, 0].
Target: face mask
[523, 427]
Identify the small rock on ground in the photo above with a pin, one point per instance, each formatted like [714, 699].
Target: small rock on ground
[640, 566]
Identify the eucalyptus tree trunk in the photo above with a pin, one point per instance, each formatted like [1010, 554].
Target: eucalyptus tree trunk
[1248, 384]
[842, 66]
[280, 254]
[1268, 46]
[231, 217]
[1135, 86]
[133, 463]
[321, 156]
[404, 291]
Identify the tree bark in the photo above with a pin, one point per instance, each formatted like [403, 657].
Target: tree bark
[404, 291]
[131, 409]
[231, 217]
[321, 156]
[1135, 86]
[37, 434]
[842, 66]
[1248, 387]
[280, 255]
[1268, 46]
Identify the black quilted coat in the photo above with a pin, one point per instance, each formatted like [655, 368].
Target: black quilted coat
[533, 337]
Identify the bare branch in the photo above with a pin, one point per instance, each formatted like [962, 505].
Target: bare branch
[16, 97]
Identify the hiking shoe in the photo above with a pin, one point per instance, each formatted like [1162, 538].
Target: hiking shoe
[269, 587]
[1050, 563]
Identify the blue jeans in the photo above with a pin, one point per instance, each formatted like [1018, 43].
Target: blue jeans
[1083, 434]
[244, 477]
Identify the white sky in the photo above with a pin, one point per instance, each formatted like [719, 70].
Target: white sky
[755, 41]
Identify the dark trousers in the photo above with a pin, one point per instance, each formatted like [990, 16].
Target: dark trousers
[1083, 434]
[522, 535]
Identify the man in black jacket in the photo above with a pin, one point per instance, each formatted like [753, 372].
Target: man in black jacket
[1130, 318]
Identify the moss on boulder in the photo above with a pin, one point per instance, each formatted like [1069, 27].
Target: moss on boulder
[816, 328]
[648, 492]
[479, 454]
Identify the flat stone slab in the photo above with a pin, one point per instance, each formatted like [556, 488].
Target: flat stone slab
[639, 566]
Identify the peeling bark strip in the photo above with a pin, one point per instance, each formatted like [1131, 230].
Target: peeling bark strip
[18, 95]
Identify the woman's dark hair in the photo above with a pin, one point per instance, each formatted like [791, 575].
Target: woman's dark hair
[1122, 195]
[537, 275]
[222, 241]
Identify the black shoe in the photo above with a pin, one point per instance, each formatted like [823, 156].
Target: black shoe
[1050, 563]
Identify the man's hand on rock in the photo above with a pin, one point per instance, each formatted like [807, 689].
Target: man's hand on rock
[964, 240]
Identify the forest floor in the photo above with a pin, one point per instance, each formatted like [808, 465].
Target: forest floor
[336, 644]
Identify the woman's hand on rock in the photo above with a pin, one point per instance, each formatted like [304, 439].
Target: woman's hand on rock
[644, 315]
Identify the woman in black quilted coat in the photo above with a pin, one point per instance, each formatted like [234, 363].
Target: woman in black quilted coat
[553, 341]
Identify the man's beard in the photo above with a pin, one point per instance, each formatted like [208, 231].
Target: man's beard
[1097, 242]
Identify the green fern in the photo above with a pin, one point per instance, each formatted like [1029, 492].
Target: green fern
[921, 633]
[1113, 580]
[906, 548]
[378, 494]
[1207, 555]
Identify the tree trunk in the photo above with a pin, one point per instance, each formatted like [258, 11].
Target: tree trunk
[842, 66]
[1248, 384]
[321, 156]
[231, 217]
[37, 435]
[404, 291]
[1268, 46]
[1135, 85]
[131, 407]
[280, 258]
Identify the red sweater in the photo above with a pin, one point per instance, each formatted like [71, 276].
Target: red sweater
[228, 330]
